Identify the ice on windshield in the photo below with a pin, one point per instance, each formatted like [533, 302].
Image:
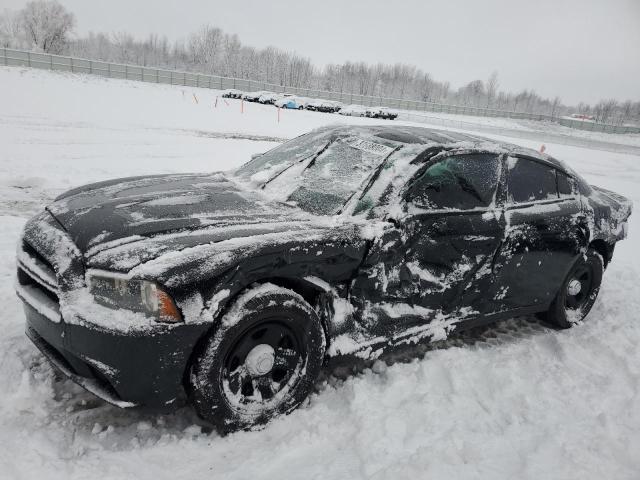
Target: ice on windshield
[323, 183]
[266, 166]
[328, 181]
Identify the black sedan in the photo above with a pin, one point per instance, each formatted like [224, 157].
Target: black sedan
[232, 290]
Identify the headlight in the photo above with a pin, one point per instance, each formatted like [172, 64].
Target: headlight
[117, 291]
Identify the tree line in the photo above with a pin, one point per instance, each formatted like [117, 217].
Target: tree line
[47, 26]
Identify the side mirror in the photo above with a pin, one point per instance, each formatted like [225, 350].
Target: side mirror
[255, 155]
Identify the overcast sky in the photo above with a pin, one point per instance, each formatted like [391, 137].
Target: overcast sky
[581, 50]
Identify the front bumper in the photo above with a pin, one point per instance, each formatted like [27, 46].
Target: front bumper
[128, 367]
[126, 370]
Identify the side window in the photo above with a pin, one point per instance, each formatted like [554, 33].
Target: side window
[528, 181]
[565, 184]
[460, 182]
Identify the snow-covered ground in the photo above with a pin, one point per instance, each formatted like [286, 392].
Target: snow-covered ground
[545, 130]
[518, 401]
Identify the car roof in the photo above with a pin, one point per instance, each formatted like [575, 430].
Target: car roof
[404, 134]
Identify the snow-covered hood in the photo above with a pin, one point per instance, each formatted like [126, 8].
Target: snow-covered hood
[148, 225]
[123, 210]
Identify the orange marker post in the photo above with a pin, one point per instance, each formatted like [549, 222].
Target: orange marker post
[216, 104]
[278, 114]
[242, 105]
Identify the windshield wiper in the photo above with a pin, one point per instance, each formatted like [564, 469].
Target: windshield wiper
[374, 176]
[311, 162]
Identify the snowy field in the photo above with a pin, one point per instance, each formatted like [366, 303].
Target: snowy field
[520, 401]
[566, 134]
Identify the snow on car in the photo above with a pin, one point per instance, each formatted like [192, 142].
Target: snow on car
[231, 93]
[231, 290]
[327, 106]
[270, 98]
[292, 102]
[255, 96]
[353, 111]
[381, 112]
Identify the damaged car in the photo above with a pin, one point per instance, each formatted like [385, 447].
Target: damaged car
[232, 290]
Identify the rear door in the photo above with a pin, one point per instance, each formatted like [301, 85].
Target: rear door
[542, 237]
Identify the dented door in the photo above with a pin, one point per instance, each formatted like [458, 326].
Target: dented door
[544, 232]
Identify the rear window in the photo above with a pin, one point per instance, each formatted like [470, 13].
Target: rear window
[530, 181]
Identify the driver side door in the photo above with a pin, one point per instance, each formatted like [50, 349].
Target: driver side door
[437, 260]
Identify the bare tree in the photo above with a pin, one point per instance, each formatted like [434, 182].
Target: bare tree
[604, 110]
[626, 110]
[10, 32]
[205, 47]
[554, 106]
[46, 25]
[492, 88]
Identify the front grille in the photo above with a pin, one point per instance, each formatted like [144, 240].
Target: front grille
[37, 282]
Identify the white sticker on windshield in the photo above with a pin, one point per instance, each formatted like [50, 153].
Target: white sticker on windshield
[371, 147]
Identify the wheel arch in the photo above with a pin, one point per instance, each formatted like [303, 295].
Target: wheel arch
[603, 248]
[311, 289]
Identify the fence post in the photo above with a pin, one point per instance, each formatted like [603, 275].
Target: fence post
[29, 58]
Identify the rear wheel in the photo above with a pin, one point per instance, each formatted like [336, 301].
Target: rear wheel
[261, 362]
[578, 292]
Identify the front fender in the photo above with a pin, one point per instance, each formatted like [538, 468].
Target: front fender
[208, 292]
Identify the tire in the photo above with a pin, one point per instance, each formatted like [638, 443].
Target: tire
[584, 278]
[261, 362]
[300, 107]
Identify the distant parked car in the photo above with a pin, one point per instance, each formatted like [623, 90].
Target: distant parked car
[353, 111]
[231, 93]
[328, 106]
[381, 112]
[582, 116]
[255, 96]
[270, 98]
[295, 103]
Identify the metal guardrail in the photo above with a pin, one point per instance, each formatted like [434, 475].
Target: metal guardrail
[12, 57]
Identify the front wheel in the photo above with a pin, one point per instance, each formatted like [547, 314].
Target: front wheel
[578, 292]
[261, 362]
